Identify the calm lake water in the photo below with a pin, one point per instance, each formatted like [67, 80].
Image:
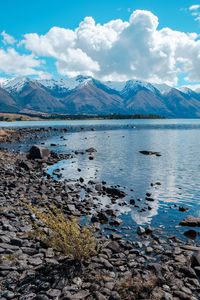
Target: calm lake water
[118, 161]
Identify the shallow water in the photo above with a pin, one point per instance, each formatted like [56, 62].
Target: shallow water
[118, 161]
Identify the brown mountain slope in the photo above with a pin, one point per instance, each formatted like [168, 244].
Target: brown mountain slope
[7, 103]
[34, 97]
[91, 99]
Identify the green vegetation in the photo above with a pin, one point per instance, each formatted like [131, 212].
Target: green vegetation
[36, 117]
[63, 235]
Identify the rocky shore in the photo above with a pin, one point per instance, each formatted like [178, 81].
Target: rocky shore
[150, 268]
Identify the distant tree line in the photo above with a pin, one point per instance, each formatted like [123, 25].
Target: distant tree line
[80, 117]
[105, 117]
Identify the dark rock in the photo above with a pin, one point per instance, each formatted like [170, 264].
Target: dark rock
[132, 201]
[145, 152]
[195, 260]
[183, 208]
[140, 230]
[114, 246]
[189, 272]
[148, 194]
[149, 199]
[116, 222]
[115, 296]
[102, 217]
[148, 229]
[191, 234]
[26, 165]
[81, 179]
[38, 152]
[115, 192]
[99, 217]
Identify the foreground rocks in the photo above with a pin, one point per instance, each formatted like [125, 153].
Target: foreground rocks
[152, 267]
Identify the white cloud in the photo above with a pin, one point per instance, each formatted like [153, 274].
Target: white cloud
[118, 50]
[13, 63]
[194, 87]
[194, 7]
[195, 11]
[7, 39]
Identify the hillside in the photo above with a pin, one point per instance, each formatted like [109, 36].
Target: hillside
[86, 95]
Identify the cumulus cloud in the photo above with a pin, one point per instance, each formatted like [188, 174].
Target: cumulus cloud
[120, 50]
[13, 63]
[7, 38]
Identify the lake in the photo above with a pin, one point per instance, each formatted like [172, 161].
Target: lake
[119, 162]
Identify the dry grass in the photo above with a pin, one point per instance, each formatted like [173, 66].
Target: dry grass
[62, 234]
[131, 288]
[19, 117]
[4, 133]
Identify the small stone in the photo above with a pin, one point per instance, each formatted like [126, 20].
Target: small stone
[140, 230]
[53, 293]
[149, 250]
[99, 296]
[183, 208]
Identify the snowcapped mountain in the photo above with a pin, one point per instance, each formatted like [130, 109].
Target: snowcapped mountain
[65, 84]
[84, 94]
[14, 85]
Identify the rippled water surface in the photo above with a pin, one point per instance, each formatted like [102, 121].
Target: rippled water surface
[118, 161]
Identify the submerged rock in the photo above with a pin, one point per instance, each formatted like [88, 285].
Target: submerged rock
[183, 208]
[115, 192]
[90, 150]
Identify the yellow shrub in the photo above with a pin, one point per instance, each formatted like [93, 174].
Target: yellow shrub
[63, 235]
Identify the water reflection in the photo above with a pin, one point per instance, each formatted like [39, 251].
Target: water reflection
[118, 161]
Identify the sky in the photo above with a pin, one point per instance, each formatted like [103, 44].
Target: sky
[110, 40]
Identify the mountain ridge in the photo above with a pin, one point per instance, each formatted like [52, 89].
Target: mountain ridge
[84, 94]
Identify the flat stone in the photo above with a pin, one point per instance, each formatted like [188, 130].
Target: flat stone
[190, 221]
[53, 293]
[99, 296]
[80, 295]
[182, 295]
[90, 150]
[114, 246]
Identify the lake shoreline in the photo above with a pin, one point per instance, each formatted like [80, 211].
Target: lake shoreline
[167, 268]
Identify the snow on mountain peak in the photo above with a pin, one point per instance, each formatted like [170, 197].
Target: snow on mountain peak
[163, 88]
[115, 85]
[65, 84]
[15, 84]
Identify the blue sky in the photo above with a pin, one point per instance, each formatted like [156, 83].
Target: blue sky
[101, 54]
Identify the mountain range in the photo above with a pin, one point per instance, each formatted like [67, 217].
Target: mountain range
[86, 95]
